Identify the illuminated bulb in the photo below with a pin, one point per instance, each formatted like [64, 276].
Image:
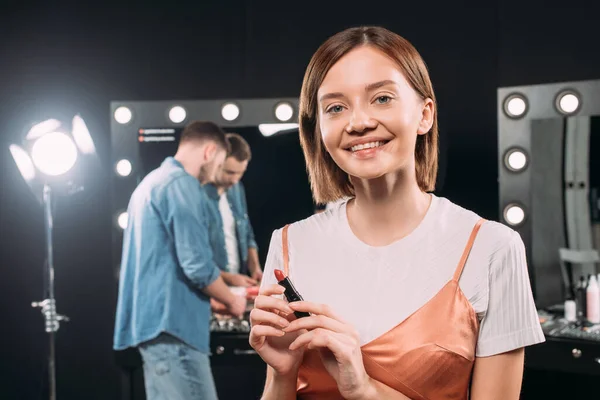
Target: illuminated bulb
[123, 167]
[284, 112]
[122, 220]
[568, 103]
[123, 115]
[514, 214]
[177, 114]
[54, 153]
[515, 106]
[230, 112]
[516, 160]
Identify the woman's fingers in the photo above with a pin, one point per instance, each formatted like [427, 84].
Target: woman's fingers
[268, 302]
[315, 322]
[269, 290]
[262, 317]
[336, 342]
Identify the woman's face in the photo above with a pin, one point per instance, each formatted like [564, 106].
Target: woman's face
[369, 115]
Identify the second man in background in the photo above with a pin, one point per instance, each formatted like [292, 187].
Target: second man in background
[231, 235]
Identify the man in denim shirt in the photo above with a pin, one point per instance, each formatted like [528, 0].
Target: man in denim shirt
[168, 274]
[231, 235]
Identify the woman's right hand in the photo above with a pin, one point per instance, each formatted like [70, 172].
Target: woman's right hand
[269, 316]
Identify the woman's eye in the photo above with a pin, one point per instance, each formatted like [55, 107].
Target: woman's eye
[383, 99]
[334, 109]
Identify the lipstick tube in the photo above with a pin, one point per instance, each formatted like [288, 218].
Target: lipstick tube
[291, 294]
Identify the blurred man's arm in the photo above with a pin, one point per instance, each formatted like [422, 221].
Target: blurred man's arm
[253, 261]
[188, 224]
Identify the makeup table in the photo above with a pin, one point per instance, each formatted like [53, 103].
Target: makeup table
[568, 348]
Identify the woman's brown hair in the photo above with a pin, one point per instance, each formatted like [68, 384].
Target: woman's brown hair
[328, 181]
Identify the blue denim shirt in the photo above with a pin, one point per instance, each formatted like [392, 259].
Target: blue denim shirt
[236, 196]
[166, 260]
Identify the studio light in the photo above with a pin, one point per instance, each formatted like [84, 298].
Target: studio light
[284, 112]
[515, 105]
[54, 154]
[514, 214]
[23, 162]
[123, 167]
[177, 114]
[123, 115]
[123, 220]
[567, 102]
[230, 111]
[273, 129]
[46, 158]
[515, 160]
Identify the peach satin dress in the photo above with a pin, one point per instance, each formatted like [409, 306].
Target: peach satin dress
[428, 356]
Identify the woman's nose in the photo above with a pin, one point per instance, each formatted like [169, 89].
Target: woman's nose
[360, 120]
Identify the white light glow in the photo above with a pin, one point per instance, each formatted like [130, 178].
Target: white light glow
[568, 103]
[284, 112]
[123, 167]
[514, 214]
[123, 115]
[39, 130]
[54, 153]
[177, 114]
[272, 129]
[516, 106]
[23, 162]
[516, 160]
[230, 111]
[82, 136]
[123, 220]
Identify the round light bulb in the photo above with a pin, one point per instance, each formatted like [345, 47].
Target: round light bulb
[516, 160]
[516, 106]
[514, 214]
[123, 167]
[568, 103]
[230, 111]
[123, 115]
[177, 114]
[284, 112]
[123, 220]
[54, 153]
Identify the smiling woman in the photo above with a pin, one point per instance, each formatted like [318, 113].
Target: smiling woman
[409, 295]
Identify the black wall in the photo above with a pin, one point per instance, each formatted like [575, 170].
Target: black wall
[59, 59]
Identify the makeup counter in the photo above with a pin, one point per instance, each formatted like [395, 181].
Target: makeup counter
[238, 371]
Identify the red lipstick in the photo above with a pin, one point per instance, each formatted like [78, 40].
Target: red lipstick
[291, 294]
[279, 275]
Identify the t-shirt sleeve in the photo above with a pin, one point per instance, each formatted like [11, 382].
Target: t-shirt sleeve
[511, 320]
[274, 259]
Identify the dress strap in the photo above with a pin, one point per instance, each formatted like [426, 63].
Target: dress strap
[286, 253]
[465, 255]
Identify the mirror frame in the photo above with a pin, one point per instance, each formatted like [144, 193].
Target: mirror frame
[516, 132]
[155, 114]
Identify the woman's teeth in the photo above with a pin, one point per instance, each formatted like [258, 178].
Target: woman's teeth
[364, 146]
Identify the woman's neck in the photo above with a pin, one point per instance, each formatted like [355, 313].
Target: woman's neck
[385, 210]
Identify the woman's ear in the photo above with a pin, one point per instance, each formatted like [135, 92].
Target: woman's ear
[427, 117]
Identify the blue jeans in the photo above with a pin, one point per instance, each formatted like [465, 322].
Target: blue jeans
[175, 371]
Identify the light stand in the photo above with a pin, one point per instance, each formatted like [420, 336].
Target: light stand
[47, 153]
[48, 305]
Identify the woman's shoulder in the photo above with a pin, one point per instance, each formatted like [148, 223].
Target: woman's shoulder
[492, 237]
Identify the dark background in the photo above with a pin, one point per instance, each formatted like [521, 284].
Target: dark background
[57, 59]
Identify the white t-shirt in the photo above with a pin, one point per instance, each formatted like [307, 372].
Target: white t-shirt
[231, 243]
[376, 288]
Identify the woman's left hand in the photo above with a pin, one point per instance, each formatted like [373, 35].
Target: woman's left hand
[338, 345]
